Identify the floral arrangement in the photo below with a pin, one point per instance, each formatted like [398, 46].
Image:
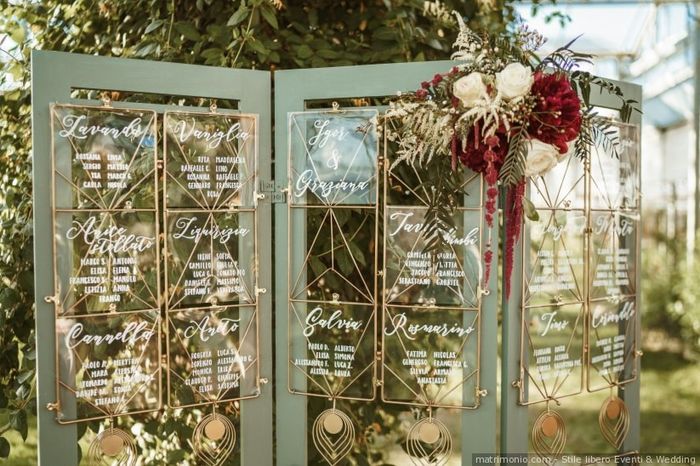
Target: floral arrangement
[505, 113]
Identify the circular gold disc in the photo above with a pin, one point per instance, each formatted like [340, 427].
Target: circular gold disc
[214, 430]
[112, 445]
[333, 423]
[550, 426]
[613, 409]
[429, 433]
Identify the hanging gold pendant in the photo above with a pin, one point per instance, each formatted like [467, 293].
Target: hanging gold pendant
[214, 439]
[333, 435]
[112, 446]
[429, 442]
[614, 421]
[548, 435]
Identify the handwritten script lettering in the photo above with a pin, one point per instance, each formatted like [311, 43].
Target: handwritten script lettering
[400, 323]
[186, 228]
[335, 322]
[325, 133]
[112, 239]
[449, 236]
[132, 334]
[205, 329]
[601, 316]
[185, 131]
[307, 181]
[75, 127]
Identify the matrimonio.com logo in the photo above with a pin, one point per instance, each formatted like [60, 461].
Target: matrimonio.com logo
[633, 459]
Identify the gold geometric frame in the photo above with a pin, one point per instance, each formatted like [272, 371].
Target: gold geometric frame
[586, 300]
[370, 303]
[211, 211]
[113, 207]
[478, 294]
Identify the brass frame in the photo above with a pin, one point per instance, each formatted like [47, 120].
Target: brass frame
[586, 301]
[252, 179]
[330, 207]
[480, 292]
[56, 298]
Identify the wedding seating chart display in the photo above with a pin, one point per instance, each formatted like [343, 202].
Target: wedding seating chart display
[579, 319]
[432, 304]
[106, 268]
[333, 265]
[210, 268]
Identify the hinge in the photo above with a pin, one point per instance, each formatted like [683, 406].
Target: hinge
[275, 193]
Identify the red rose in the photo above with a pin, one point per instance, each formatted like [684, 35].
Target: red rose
[556, 118]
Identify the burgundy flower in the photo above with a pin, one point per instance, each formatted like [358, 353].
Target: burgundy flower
[421, 93]
[437, 79]
[556, 118]
[425, 84]
[473, 154]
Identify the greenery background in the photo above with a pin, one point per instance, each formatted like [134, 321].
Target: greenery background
[269, 34]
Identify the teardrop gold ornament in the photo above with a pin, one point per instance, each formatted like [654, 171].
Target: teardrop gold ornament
[112, 446]
[429, 443]
[548, 436]
[214, 439]
[333, 435]
[614, 421]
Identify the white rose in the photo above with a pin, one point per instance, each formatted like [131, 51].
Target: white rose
[541, 158]
[514, 81]
[470, 89]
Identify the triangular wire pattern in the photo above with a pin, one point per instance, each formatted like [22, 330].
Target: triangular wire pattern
[431, 356]
[333, 157]
[415, 374]
[139, 390]
[103, 158]
[210, 258]
[213, 355]
[553, 258]
[553, 344]
[332, 349]
[106, 259]
[336, 260]
[210, 160]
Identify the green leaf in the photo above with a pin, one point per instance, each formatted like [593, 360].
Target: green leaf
[18, 422]
[304, 52]
[4, 448]
[155, 24]
[530, 211]
[188, 30]
[270, 17]
[238, 17]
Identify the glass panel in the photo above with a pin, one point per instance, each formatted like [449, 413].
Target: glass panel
[213, 355]
[554, 257]
[331, 349]
[613, 255]
[562, 187]
[615, 182]
[333, 254]
[108, 365]
[106, 260]
[333, 157]
[430, 356]
[210, 160]
[211, 257]
[553, 347]
[405, 185]
[612, 342]
[449, 276]
[103, 158]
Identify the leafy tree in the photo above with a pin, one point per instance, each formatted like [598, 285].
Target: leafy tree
[262, 34]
